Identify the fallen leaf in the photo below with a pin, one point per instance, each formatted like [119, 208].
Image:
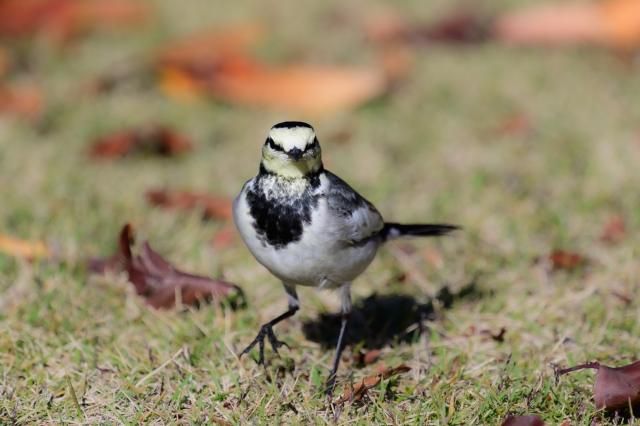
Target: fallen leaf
[551, 24]
[219, 65]
[62, 19]
[24, 100]
[21, 248]
[615, 389]
[312, 89]
[622, 23]
[614, 229]
[523, 421]
[161, 284]
[212, 206]
[355, 393]
[155, 139]
[566, 260]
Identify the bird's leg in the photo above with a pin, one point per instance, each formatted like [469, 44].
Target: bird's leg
[345, 294]
[266, 330]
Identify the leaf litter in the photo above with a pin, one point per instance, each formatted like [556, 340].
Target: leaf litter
[161, 284]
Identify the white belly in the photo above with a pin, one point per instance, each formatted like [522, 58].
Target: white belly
[320, 258]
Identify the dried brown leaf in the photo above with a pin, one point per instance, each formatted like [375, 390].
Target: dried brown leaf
[161, 284]
[523, 421]
[566, 260]
[26, 249]
[213, 206]
[615, 389]
[355, 393]
[154, 139]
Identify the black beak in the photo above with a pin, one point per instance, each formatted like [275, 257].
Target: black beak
[295, 153]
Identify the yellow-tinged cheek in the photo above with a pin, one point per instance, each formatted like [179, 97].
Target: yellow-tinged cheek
[288, 168]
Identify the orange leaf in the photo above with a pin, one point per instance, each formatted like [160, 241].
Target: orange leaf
[303, 88]
[180, 84]
[552, 24]
[20, 248]
[622, 23]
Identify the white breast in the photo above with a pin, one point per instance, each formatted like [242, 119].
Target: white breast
[321, 257]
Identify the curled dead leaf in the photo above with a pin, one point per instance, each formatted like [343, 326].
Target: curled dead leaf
[26, 249]
[161, 284]
[154, 139]
[355, 393]
[566, 260]
[523, 421]
[615, 389]
[213, 206]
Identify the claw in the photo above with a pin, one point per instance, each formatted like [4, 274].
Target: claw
[266, 331]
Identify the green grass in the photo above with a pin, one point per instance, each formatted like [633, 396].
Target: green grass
[76, 348]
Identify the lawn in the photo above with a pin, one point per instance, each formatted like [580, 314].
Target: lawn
[441, 147]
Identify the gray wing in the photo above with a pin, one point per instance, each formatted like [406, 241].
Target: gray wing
[359, 218]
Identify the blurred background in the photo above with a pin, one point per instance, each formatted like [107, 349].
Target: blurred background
[517, 119]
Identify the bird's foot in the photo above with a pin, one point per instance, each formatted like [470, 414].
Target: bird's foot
[266, 331]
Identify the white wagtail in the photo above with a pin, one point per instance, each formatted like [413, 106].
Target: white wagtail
[308, 227]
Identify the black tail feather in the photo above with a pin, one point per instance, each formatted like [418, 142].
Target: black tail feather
[397, 230]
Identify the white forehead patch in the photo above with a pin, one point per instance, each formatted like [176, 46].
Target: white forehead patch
[292, 137]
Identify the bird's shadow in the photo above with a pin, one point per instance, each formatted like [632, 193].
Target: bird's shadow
[379, 320]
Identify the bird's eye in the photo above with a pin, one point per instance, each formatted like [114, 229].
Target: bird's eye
[314, 145]
[273, 145]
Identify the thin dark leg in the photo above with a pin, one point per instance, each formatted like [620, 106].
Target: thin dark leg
[331, 381]
[266, 331]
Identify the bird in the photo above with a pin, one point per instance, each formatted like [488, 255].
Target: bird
[308, 227]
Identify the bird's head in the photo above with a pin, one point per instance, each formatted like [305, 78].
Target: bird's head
[291, 150]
